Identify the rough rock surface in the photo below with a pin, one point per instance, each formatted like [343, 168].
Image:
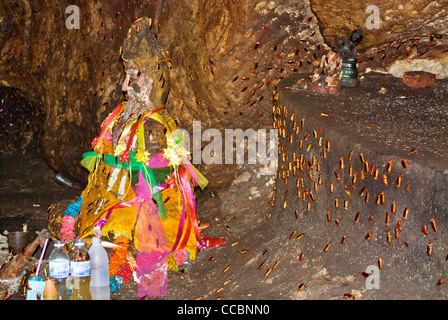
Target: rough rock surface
[265, 256]
[226, 56]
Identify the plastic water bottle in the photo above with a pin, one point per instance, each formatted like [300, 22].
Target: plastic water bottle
[99, 266]
[80, 271]
[59, 262]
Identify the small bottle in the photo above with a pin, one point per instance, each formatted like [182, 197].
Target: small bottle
[80, 271]
[99, 266]
[59, 262]
[50, 292]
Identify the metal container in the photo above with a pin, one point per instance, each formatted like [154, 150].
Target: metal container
[17, 240]
[64, 179]
[349, 73]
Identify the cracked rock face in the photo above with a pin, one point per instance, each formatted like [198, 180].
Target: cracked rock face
[226, 59]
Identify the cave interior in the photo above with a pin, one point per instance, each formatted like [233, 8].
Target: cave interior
[243, 65]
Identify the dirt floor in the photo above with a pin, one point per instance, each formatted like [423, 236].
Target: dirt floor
[265, 256]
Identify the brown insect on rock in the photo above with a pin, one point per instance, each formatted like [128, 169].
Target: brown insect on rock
[433, 225]
[389, 166]
[387, 220]
[300, 236]
[349, 296]
[405, 213]
[362, 191]
[380, 263]
[404, 164]
[361, 157]
[361, 174]
[267, 272]
[365, 274]
[429, 249]
[398, 181]
[292, 234]
[385, 179]
[357, 217]
[275, 264]
[327, 247]
[366, 199]
[341, 163]
[226, 282]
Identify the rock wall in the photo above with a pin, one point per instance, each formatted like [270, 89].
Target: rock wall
[226, 58]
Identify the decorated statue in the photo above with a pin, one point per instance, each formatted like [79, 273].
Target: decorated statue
[329, 70]
[140, 188]
[339, 68]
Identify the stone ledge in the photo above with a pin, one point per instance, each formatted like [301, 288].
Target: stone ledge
[372, 179]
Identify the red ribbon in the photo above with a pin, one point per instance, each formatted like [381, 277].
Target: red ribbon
[187, 194]
[112, 117]
[108, 121]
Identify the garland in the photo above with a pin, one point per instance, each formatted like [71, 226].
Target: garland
[118, 265]
[69, 219]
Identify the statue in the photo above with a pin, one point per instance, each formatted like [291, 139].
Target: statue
[140, 188]
[329, 70]
[347, 52]
[338, 68]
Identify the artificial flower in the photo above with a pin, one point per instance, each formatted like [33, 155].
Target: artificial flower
[115, 283]
[180, 256]
[171, 181]
[119, 149]
[125, 272]
[74, 208]
[98, 145]
[68, 228]
[119, 256]
[124, 157]
[95, 141]
[174, 152]
[142, 156]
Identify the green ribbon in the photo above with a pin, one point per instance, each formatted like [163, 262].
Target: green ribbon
[134, 165]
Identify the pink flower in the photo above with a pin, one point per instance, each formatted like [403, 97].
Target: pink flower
[68, 228]
[180, 256]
